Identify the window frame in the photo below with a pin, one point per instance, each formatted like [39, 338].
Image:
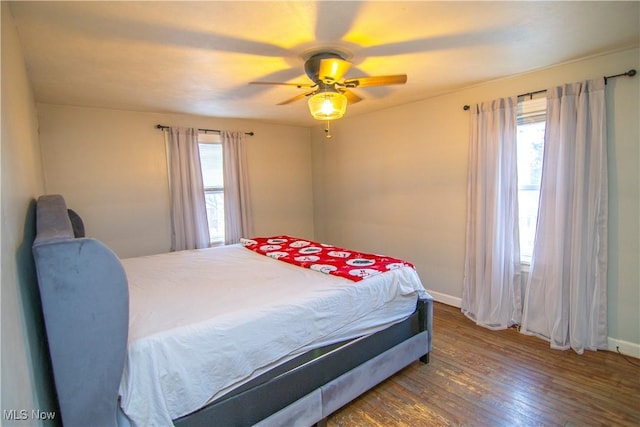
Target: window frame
[530, 111]
[212, 139]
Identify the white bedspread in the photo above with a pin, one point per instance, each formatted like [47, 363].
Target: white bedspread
[204, 322]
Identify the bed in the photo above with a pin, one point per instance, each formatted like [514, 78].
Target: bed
[220, 336]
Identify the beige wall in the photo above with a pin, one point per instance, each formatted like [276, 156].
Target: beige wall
[110, 165]
[395, 181]
[25, 368]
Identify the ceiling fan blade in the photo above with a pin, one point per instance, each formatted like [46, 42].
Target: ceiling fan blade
[352, 98]
[298, 85]
[333, 69]
[295, 98]
[396, 79]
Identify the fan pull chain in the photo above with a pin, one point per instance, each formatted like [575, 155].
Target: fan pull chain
[327, 131]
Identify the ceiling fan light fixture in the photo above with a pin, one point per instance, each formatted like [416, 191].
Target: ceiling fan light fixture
[326, 70]
[327, 105]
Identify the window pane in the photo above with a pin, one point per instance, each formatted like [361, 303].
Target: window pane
[215, 215]
[530, 150]
[211, 161]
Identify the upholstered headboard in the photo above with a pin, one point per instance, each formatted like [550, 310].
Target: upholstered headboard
[85, 301]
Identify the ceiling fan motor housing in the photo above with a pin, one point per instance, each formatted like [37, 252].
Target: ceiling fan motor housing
[312, 65]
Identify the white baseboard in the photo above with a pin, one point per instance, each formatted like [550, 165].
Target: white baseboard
[627, 348]
[445, 299]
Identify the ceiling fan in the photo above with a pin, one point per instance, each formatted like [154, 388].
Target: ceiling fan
[330, 95]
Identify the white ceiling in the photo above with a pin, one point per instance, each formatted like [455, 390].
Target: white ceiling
[198, 57]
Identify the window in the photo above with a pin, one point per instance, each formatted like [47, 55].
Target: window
[213, 181]
[530, 145]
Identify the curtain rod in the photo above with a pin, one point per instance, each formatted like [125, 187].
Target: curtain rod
[163, 127]
[629, 73]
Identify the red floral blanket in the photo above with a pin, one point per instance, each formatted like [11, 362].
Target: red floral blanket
[327, 259]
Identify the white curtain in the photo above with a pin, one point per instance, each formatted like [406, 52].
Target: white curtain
[237, 209]
[491, 294]
[566, 293]
[189, 228]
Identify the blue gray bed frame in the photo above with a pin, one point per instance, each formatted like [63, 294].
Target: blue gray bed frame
[85, 301]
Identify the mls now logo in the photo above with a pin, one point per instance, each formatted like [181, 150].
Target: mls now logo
[23, 414]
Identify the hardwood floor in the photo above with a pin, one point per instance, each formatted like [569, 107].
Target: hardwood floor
[478, 377]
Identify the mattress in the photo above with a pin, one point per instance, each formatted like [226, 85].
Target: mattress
[204, 322]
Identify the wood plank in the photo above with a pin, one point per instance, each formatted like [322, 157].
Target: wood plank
[479, 377]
